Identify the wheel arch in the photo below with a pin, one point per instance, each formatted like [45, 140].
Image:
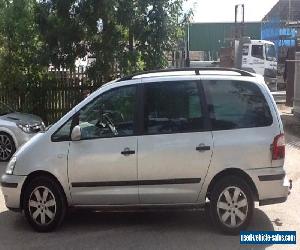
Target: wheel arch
[235, 172]
[34, 174]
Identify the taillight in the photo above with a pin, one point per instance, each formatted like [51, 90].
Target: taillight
[278, 147]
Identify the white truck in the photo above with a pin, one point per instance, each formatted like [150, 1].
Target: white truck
[259, 56]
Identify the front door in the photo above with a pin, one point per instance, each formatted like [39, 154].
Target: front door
[176, 147]
[102, 166]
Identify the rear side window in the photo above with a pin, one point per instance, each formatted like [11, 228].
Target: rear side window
[234, 104]
[172, 107]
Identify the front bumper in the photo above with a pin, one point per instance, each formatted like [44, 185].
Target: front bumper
[11, 186]
[272, 185]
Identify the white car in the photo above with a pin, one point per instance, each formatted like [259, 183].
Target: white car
[181, 138]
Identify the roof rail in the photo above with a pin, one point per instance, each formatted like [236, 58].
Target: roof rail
[196, 70]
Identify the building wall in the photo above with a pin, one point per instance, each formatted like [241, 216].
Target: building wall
[210, 37]
[274, 26]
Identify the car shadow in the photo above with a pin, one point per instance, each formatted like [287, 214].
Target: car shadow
[154, 229]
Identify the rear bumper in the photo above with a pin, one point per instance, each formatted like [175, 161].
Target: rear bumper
[272, 201]
[11, 186]
[272, 185]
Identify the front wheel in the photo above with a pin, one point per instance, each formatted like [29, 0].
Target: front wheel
[44, 204]
[7, 147]
[231, 205]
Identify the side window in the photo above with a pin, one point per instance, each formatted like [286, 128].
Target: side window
[172, 107]
[234, 104]
[270, 52]
[258, 51]
[111, 114]
[245, 50]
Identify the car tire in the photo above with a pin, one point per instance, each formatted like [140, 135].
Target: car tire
[7, 147]
[44, 204]
[231, 205]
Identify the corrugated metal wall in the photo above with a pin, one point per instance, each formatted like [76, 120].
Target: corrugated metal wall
[210, 37]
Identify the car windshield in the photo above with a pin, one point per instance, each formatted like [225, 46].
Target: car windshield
[4, 109]
[257, 51]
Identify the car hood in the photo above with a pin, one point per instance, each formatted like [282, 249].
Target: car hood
[22, 117]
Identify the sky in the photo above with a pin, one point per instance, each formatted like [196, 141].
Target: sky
[223, 10]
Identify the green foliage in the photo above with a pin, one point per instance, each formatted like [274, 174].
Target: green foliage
[124, 36]
[20, 48]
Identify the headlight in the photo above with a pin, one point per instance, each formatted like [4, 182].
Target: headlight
[31, 128]
[11, 165]
[25, 127]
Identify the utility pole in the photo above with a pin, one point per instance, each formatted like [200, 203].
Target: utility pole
[239, 36]
[239, 27]
[187, 61]
[188, 20]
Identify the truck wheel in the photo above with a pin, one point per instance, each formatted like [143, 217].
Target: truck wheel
[231, 205]
[44, 204]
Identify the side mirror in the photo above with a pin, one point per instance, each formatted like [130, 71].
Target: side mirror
[76, 133]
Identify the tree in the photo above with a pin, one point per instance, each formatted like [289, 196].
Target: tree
[124, 36]
[21, 48]
[154, 26]
[61, 31]
[104, 38]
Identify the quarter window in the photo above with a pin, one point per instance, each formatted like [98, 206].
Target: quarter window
[63, 134]
[234, 104]
[172, 107]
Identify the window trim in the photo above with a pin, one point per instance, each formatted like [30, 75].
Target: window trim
[203, 105]
[73, 124]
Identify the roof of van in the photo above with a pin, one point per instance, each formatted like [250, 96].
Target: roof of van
[188, 72]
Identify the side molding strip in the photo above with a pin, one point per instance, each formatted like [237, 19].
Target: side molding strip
[137, 183]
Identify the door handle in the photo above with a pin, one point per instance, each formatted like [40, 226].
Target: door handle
[127, 151]
[202, 147]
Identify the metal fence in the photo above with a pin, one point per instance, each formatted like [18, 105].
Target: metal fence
[53, 98]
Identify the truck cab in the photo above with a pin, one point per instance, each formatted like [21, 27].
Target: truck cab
[259, 56]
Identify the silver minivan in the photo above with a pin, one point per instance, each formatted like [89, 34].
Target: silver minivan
[187, 138]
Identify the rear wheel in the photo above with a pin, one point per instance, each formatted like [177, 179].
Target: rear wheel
[44, 204]
[7, 147]
[231, 205]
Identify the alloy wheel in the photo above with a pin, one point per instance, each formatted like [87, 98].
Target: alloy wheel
[6, 147]
[42, 205]
[232, 207]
